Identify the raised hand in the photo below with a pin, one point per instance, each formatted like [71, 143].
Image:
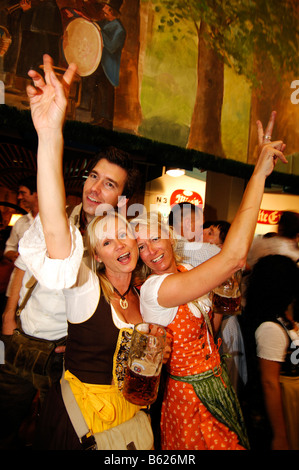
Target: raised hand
[265, 137]
[269, 152]
[48, 96]
[269, 156]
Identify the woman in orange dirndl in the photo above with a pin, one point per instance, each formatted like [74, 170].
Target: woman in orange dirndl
[200, 409]
[186, 422]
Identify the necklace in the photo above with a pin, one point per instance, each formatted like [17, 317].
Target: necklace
[123, 301]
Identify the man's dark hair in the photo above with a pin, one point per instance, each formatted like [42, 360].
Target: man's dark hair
[124, 160]
[222, 225]
[29, 182]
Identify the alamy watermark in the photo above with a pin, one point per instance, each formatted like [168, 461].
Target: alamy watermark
[2, 360]
[157, 225]
[2, 93]
[295, 94]
[295, 354]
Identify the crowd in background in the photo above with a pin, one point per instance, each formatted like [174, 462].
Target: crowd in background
[230, 380]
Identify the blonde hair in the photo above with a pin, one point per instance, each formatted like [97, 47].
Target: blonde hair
[153, 220]
[95, 232]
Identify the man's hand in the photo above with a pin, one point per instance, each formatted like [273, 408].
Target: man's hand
[8, 323]
[11, 255]
[48, 96]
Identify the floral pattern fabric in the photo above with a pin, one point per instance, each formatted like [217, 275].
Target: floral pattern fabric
[186, 424]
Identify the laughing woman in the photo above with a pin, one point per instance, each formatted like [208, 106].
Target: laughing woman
[200, 408]
[101, 307]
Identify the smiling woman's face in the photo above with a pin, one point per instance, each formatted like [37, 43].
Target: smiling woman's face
[156, 251]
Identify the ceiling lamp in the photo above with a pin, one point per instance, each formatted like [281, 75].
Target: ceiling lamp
[175, 171]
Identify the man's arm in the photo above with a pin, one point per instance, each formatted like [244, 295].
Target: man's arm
[9, 315]
[11, 255]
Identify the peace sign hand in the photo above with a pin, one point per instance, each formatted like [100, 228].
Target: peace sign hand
[265, 137]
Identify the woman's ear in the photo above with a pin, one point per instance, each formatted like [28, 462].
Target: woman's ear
[97, 258]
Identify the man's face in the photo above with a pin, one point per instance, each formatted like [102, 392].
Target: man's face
[27, 200]
[211, 235]
[108, 12]
[104, 185]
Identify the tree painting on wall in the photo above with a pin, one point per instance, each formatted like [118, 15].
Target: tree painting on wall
[195, 74]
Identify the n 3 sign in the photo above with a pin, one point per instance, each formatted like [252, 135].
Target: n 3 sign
[269, 217]
[184, 195]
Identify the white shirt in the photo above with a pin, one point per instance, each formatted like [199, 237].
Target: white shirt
[44, 314]
[17, 231]
[76, 284]
[195, 253]
[272, 341]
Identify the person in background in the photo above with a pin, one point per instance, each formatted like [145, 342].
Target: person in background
[215, 232]
[284, 243]
[271, 402]
[227, 328]
[27, 196]
[187, 222]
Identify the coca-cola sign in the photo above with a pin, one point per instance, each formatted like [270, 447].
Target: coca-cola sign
[185, 195]
[269, 217]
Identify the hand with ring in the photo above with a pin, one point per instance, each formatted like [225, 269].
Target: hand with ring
[265, 138]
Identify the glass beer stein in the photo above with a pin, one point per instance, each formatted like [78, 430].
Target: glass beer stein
[142, 378]
[227, 296]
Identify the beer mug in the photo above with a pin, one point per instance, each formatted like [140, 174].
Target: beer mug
[227, 296]
[142, 378]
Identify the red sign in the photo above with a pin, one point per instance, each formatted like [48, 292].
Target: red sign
[184, 195]
[269, 217]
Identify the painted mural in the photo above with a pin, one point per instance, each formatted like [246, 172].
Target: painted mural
[196, 73]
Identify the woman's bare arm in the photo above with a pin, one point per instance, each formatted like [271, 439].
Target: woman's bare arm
[48, 102]
[181, 288]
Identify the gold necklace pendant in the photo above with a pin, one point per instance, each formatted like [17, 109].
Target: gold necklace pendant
[123, 303]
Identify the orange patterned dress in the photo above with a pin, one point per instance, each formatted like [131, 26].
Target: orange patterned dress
[186, 423]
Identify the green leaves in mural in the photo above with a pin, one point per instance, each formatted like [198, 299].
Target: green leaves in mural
[239, 29]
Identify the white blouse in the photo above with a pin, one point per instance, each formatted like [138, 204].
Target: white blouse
[79, 283]
[150, 309]
[272, 341]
